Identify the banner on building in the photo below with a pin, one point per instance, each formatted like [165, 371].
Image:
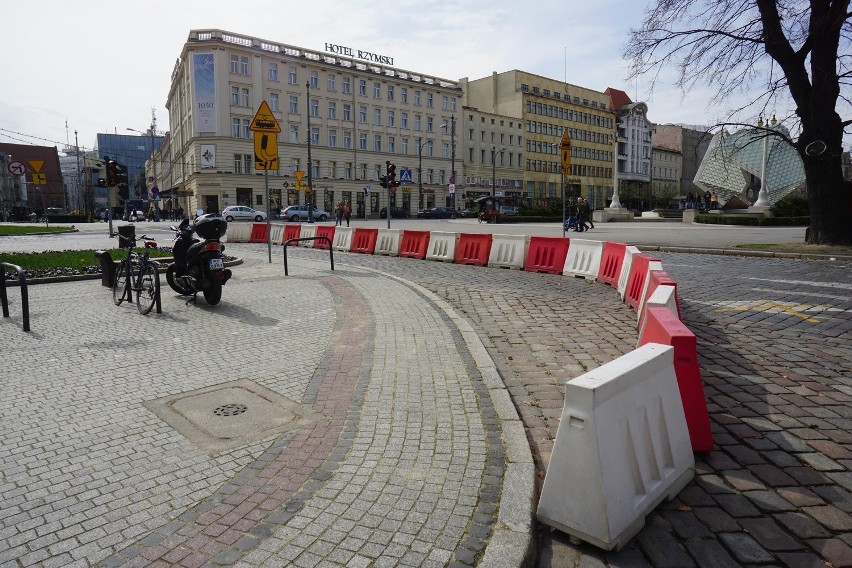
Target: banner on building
[204, 92]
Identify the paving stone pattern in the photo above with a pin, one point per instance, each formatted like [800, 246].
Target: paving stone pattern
[405, 470]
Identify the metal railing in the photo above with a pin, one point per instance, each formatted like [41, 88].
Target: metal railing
[25, 298]
[323, 237]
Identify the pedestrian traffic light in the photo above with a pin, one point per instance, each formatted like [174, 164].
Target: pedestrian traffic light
[383, 181]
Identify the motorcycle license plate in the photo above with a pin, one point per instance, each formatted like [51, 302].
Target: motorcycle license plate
[216, 264]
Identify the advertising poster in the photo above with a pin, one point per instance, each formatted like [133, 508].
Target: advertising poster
[204, 91]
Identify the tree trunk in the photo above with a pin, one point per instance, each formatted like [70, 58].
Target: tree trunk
[830, 201]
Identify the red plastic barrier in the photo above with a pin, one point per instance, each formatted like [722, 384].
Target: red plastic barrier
[259, 233]
[658, 278]
[664, 327]
[291, 232]
[611, 261]
[547, 254]
[414, 244]
[323, 231]
[364, 240]
[636, 280]
[473, 248]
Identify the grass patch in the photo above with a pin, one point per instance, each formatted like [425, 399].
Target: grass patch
[67, 263]
[16, 230]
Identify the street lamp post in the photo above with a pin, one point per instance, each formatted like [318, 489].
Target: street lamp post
[420, 163]
[309, 192]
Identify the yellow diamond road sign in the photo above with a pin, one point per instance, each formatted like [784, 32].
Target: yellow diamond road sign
[264, 121]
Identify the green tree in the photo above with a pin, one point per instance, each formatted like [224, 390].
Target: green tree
[775, 50]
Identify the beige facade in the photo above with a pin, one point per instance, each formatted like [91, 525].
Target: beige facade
[492, 155]
[666, 173]
[361, 113]
[545, 108]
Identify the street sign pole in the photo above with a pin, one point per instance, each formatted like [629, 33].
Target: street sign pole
[268, 215]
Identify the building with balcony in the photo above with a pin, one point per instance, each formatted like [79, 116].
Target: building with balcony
[633, 148]
[358, 110]
[545, 108]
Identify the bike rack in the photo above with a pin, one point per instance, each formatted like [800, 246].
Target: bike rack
[25, 297]
[127, 294]
[323, 237]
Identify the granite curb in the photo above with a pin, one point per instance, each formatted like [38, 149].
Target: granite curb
[740, 252]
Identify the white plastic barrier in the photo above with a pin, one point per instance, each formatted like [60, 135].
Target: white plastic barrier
[621, 448]
[629, 251]
[239, 232]
[584, 258]
[508, 251]
[652, 265]
[387, 242]
[342, 238]
[308, 230]
[442, 246]
[276, 234]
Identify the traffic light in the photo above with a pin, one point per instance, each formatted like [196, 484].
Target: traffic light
[392, 175]
[383, 181]
[110, 168]
[102, 182]
[121, 175]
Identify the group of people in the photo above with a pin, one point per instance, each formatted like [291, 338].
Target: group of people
[707, 202]
[579, 215]
[342, 211]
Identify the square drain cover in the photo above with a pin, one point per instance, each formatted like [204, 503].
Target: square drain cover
[230, 415]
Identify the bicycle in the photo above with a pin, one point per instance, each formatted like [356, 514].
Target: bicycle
[145, 281]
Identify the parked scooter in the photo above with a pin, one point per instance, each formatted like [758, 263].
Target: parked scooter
[198, 265]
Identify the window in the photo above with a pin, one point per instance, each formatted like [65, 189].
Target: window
[403, 94]
[390, 118]
[429, 100]
[362, 140]
[235, 62]
[445, 150]
[291, 77]
[332, 138]
[377, 116]
[470, 155]
[362, 114]
[362, 87]
[294, 104]
[416, 122]
[247, 163]
[235, 96]
[347, 111]
[347, 85]
[273, 71]
[429, 124]
[246, 131]
[390, 92]
[445, 102]
[416, 98]
[315, 135]
[238, 163]
[330, 83]
[347, 170]
[377, 143]
[246, 101]
[314, 107]
[405, 145]
[347, 139]
[453, 104]
[273, 102]
[403, 119]
[235, 127]
[377, 90]
[332, 169]
[332, 110]
[470, 134]
[314, 80]
[294, 134]
[244, 65]
[391, 144]
[315, 167]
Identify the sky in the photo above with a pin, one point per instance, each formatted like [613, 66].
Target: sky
[101, 67]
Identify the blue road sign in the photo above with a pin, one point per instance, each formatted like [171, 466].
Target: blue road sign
[405, 176]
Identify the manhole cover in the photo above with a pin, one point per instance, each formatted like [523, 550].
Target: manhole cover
[230, 410]
[226, 416]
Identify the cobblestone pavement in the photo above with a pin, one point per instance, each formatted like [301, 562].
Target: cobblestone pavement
[405, 465]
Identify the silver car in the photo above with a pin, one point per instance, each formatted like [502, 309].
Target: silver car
[300, 213]
[242, 213]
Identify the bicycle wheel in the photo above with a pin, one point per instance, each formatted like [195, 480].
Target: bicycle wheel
[146, 294]
[119, 285]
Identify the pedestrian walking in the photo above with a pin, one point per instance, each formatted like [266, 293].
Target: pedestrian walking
[347, 212]
[338, 214]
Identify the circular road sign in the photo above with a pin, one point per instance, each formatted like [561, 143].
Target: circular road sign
[16, 168]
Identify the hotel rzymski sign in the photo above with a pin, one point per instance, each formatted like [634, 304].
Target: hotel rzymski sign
[357, 53]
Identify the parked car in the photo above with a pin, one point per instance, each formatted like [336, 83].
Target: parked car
[437, 213]
[467, 213]
[300, 213]
[396, 213]
[242, 213]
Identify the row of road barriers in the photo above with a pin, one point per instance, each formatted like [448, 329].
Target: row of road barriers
[629, 428]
